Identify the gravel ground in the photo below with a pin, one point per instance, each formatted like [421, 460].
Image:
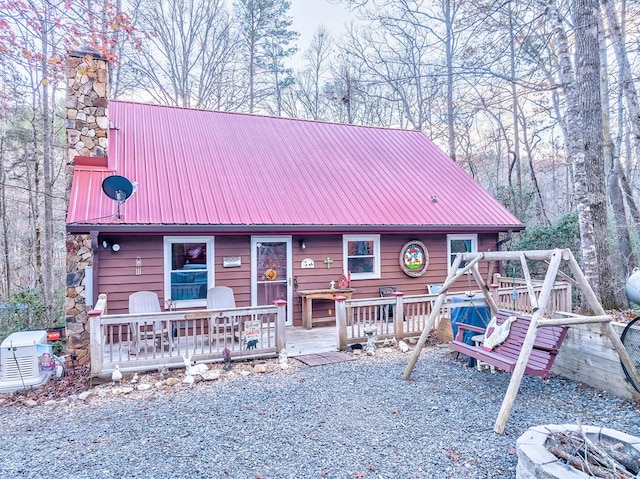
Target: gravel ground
[353, 419]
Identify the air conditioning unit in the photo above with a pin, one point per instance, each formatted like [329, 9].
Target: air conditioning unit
[26, 360]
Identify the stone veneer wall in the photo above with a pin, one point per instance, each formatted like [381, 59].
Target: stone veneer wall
[87, 107]
[79, 256]
[87, 127]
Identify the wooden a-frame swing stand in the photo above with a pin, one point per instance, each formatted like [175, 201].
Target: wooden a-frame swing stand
[540, 317]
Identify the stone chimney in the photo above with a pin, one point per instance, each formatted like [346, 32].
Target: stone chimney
[87, 132]
[87, 106]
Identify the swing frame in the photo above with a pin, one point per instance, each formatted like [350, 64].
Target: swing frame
[540, 305]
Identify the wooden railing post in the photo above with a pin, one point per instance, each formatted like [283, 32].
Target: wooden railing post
[568, 298]
[96, 338]
[341, 321]
[493, 291]
[281, 320]
[398, 316]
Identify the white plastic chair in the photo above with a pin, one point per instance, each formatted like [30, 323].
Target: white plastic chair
[147, 302]
[222, 297]
[434, 288]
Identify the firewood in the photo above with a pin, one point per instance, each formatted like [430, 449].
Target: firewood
[599, 460]
[580, 464]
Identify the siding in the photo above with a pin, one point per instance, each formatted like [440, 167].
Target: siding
[117, 275]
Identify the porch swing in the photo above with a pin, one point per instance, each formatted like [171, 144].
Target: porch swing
[541, 331]
[492, 332]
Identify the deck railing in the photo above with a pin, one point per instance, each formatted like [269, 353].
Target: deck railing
[354, 315]
[139, 342]
[203, 334]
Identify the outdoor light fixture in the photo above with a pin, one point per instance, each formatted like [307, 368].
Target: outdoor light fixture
[115, 247]
[303, 245]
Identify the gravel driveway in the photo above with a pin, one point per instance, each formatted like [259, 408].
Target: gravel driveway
[355, 419]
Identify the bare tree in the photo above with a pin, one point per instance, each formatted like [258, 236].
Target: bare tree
[187, 52]
[264, 26]
[314, 73]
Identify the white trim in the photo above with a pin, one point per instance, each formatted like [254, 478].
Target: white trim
[474, 245]
[254, 270]
[210, 242]
[375, 274]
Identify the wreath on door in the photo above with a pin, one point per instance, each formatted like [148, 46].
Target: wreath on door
[270, 274]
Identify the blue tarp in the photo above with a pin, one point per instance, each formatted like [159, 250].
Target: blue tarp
[471, 310]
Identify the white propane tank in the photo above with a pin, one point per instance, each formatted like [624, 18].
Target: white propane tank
[632, 286]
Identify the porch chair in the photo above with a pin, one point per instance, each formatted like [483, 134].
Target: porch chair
[386, 291]
[147, 302]
[222, 297]
[434, 288]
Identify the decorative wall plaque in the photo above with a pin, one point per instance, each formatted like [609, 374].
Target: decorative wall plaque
[307, 263]
[231, 261]
[414, 258]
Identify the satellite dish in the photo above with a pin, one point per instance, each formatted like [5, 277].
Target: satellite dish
[117, 188]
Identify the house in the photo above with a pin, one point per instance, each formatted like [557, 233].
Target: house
[264, 205]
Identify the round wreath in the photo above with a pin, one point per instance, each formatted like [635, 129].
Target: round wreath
[414, 258]
[270, 274]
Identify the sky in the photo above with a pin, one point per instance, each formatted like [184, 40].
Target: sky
[309, 14]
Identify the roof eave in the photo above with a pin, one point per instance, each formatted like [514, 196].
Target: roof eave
[289, 229]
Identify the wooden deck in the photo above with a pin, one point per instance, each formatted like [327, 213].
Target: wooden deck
[306, 341]
[112, 342]
[300, 341]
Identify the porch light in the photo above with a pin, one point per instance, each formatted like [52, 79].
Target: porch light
[115, 247]
[303, 245]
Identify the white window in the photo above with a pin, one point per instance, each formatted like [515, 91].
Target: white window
[361, 254]
[460, 244]
[188, 269]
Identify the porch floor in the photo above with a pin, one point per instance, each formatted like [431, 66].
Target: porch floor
[319, 339]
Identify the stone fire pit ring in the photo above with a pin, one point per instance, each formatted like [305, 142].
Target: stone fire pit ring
[536, 462]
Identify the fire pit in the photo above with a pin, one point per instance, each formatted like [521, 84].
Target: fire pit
[535, 461]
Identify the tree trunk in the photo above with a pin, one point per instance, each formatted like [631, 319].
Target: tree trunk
[624, 70]
[47, 168]
[589, 162]
[514, 112]
[541, 213]
[628, 89]
[6, 264]
[449, 59]
[612, 165]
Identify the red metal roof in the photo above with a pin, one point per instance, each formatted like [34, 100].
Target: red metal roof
[196, 167]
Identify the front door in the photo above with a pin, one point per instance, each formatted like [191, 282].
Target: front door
[271, 271]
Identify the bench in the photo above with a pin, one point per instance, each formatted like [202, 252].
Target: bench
[505, 355]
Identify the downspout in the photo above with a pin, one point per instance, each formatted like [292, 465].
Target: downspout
[96, 260]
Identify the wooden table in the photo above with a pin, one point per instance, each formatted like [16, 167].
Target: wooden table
[310, 294]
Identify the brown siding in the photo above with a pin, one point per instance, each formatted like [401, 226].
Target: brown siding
[237, 278]
[117, 270]
[319, 248]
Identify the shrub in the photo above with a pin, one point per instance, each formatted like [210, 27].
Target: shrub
[23, 312]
